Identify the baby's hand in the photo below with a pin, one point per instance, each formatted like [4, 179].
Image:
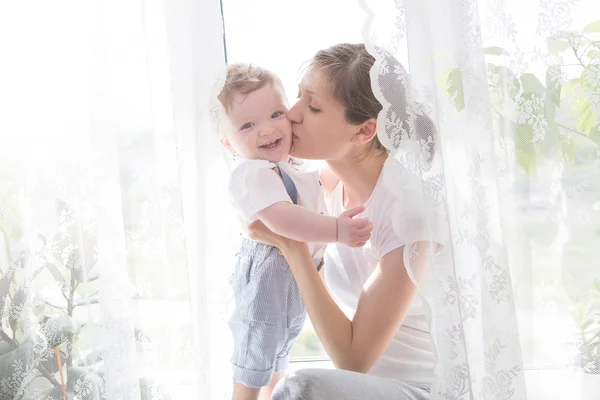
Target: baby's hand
[353, 232]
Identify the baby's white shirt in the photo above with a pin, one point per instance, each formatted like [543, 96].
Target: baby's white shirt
[254, 186]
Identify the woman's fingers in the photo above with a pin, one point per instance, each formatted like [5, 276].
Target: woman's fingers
[253, 229]
[242, 223]
[258, 231]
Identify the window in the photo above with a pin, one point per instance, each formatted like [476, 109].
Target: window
[282, 38]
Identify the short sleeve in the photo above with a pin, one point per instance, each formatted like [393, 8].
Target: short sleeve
[403, 219]
[414, 221]
[386, 239]
[254, 186]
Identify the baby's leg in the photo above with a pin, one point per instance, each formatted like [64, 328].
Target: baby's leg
[265, 392]
[241, 392]
[259, 321]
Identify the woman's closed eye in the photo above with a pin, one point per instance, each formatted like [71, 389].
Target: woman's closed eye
[310, 107]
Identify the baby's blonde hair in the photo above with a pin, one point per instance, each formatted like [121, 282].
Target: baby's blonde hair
[245, 79]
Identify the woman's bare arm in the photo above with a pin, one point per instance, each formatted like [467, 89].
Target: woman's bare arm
[386, 297]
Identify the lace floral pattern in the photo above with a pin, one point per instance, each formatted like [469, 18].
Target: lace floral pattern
[510, 112]
[95, 300]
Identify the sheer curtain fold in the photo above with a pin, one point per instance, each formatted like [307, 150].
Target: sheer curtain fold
[512, 92]
[103, 201]
[112, 194]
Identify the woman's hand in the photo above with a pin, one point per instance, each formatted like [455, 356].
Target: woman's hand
[259, 232]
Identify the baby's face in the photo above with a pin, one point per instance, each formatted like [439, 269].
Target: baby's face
[258, 128]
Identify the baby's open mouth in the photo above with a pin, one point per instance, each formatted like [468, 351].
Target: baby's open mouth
[272, 144]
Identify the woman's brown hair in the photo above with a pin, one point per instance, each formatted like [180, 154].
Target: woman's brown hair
[346, 67]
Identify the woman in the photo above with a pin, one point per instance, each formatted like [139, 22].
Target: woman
[380, 343]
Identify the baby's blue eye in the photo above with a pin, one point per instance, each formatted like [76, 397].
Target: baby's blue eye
[276, 114]
[247, 125]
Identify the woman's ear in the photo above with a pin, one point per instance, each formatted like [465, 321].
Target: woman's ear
[366, 132]
[227, 145]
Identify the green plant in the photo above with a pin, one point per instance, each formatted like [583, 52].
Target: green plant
[37, 329]
[587, 316]
[535, 112]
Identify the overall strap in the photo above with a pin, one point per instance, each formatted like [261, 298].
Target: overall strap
[289, 186]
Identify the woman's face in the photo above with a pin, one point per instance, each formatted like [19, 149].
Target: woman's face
[320, 130]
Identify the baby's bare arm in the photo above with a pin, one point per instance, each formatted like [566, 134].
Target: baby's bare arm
[298, 223]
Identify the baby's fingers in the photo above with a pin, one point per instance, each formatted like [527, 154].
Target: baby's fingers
[364, 235]
[359, 243]
[362, 223]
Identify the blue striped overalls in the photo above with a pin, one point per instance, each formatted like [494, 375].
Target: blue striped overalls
[269, 312]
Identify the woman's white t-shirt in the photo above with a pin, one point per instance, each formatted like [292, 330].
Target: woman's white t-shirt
[410, 356]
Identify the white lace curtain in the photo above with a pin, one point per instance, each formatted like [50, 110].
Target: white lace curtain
[114, 227]
[103, 200]
[513, 190]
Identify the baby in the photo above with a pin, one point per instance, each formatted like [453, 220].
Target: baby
[266, 184]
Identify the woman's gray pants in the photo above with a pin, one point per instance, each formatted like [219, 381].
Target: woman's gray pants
[333, 384]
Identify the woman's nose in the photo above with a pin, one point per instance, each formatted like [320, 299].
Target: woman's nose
[294, 115]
